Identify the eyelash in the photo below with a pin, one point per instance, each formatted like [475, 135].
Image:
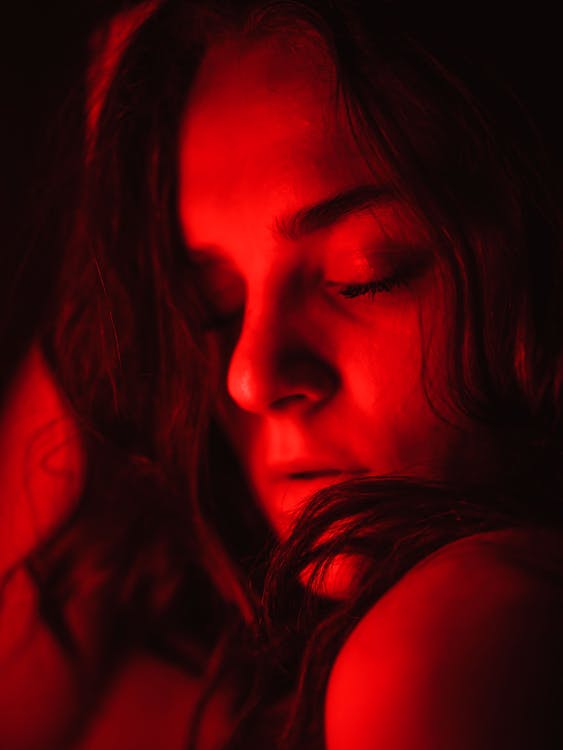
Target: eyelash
[371, 288]
[349, 291]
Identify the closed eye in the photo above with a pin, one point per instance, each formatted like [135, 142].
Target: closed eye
[399, 279]
[372, 288]
[219, 290]
[385, 267]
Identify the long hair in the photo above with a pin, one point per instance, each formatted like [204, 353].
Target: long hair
[166, 511]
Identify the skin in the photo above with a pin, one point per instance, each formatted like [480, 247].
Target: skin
[310, 374]
[42, 466]
[262, 140]
[42, 471]
[479, 669]
[449, 657]
[41, 475]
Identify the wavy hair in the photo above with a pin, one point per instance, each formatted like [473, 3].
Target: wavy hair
[167, 517]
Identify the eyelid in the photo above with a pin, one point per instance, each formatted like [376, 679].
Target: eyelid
[220, 291]
[384, 266]
[377, 286]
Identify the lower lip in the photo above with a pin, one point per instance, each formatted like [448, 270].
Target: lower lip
[286, 495]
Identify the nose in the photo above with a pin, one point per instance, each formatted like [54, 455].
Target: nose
[276, 366]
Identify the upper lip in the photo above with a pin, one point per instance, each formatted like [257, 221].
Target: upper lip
[311, 469]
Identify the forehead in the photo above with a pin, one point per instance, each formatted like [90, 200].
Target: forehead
[263, 135]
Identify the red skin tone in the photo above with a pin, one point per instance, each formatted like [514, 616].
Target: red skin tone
[309, 377]
[448, 657]
[42, 465]
[41, 474]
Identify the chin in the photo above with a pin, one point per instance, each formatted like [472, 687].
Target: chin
[284, 502]
[338, 581]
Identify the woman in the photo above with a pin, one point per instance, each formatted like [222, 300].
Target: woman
[314, 290]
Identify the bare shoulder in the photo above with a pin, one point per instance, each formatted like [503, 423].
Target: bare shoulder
[464, 651]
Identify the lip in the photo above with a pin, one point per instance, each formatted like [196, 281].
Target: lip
[317, 474]
[307, 471]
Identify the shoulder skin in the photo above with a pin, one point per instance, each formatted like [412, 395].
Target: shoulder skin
[464, 653]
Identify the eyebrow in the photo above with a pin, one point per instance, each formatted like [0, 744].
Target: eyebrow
[331, 210]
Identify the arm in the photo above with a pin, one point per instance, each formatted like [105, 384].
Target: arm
[41, 469]
[41, 461]
[464, 653]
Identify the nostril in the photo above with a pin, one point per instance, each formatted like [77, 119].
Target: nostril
[285, 402]
[307, 384]
[273, 368]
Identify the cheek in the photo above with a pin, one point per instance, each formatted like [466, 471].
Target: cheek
[381, 407]
[381, 364]
[385, 371]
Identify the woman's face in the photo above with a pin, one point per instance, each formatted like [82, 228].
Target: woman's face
[316, 281]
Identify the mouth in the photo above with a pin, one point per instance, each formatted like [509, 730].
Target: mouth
[285, 487]
[314, 474]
